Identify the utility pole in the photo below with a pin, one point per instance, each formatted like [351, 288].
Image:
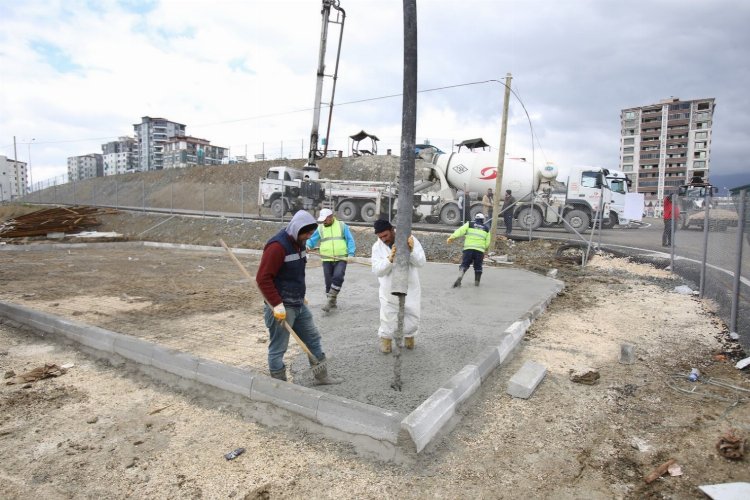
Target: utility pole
[400, 283]
[500, 161]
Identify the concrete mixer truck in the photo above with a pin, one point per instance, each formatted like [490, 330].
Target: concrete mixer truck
[542, 201]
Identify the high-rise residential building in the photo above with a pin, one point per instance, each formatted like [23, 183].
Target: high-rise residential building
[12, 179]
[190, 151]
[85, 167]
[119, 156]
[665, 145]
[150, 136]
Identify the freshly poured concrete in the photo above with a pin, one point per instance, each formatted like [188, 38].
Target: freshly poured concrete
[458, 325]
[465, 334]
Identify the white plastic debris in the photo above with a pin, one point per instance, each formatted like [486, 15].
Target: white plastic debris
[683, 290]
[727, 491]
[743, 363]
[674, 470]
[641, 445]
[734, 336]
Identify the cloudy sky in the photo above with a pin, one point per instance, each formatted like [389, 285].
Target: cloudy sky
[241, 73]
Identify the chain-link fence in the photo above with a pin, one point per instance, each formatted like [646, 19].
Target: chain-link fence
[709, 243]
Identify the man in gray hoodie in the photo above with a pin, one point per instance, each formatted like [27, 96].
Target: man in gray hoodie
[281, 280]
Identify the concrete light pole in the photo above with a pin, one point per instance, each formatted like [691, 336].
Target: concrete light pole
[31, 181]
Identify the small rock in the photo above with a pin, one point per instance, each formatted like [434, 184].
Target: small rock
[588, 376]
[683, 290]
[130, 462]
[9, 374]
[92, 420]
[627, 354]
[732, 335]
[261, 340]
[552, 273]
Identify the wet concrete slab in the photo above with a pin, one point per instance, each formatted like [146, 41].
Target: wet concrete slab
[458, 325]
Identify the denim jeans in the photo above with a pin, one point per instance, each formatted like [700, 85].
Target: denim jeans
[301, 321]
[334, 272]
[474, 257]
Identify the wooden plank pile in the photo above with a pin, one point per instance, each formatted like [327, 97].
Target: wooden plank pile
[53, 220]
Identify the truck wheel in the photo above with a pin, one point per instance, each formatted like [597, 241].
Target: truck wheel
[613, 221]
[347, 211]
[475, 209]
[450, 215]
[369, 212]
[276, 207]
[529, 218]
[578, 220]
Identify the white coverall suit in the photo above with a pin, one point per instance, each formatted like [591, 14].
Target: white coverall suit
[383, 268]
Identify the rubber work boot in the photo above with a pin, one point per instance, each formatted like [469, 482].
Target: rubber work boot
[332, 294]
[279, 374]
[385, 345]
[461, 272]
[477, 278]
[409, 342]
[321, 374]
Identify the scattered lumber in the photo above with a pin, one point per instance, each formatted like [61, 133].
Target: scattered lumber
[53, 220]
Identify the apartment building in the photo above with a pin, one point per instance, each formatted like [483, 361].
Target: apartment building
[189, 151]
[118, 156]
[664, 145]
[85, 167]
[150, 136]
[13, 178]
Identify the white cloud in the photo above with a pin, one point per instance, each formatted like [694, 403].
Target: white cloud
[235, 72]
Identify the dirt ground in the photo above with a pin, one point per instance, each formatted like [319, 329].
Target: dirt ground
[106, 431]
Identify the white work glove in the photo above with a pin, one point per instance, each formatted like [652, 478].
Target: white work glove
[279, 312]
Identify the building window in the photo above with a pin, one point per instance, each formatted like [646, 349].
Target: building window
[629, 140]
[699, 164]
[699, 154]
[627, 158]
[701, 135]
[627, 168]
[700, 145]
[703, 105]
[629, 115]
[627, 150]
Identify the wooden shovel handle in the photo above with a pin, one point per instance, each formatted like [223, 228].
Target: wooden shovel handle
[283, 322]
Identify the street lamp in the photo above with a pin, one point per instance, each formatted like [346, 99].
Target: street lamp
[31, 181]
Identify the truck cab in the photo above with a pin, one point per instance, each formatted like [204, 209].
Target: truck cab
[279, 189]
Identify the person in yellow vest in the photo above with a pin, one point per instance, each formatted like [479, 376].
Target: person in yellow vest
[336, 246]
[476, 242]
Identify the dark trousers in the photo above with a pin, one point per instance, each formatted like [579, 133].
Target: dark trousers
[666, 236]
[472, 257]
[333, 273]
[508, 221]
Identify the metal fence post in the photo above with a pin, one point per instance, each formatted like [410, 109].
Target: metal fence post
[143, 194]
[706, 224]
[171, 197]
[738, 266]
[75, 199]
[117, 201]
[242, 200]
[204, 201]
